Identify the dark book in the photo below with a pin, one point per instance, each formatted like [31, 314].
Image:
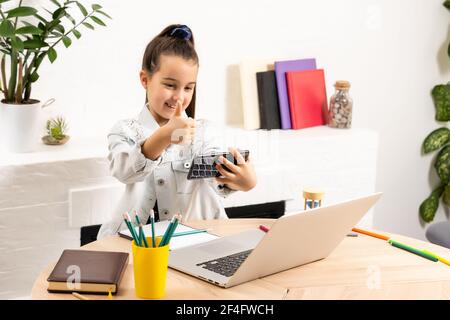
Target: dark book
[269, 111]
[88, 271]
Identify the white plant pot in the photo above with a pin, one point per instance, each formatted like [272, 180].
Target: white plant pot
[21, 125]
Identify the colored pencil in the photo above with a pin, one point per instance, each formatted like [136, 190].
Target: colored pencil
[370, 233]
[185, 233]
[79, 296]
[152, 222]
[443, 260]
[130, 227]
[144, 239]
[412, 250]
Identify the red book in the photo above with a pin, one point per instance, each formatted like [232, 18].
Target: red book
[307, 98]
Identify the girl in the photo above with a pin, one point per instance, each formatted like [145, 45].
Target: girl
[152, 153]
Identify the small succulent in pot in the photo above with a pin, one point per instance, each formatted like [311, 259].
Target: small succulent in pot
[56, 131]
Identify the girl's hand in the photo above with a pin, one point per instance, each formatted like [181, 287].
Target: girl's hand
[242, 176]
[181, 130]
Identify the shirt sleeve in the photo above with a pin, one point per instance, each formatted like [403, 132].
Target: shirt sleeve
[127, 163]
[209, 143]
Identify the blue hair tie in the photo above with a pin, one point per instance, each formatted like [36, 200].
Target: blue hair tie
[182, 32]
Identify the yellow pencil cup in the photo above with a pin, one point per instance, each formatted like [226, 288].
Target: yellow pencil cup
[150, 269]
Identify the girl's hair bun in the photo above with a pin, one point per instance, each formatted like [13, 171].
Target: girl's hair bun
[182, 32]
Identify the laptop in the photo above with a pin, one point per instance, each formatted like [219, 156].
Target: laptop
[293, 240]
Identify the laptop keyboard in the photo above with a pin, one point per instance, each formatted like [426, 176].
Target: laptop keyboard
[226, 266]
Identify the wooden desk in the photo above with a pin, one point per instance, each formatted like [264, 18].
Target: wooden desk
[359, 268]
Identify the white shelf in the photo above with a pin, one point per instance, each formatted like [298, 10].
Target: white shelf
[74, 149]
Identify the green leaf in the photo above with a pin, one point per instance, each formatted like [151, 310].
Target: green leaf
[67, 42]
[52, 55]
[60, 28]
[17, 43]
[21, 12]
[448, 50]
[56, 34]
[447, 4]
[82, 9]
[88, 25]
[41, 26]
[98, 21]
[441, 97]
[6, 29]
[96, 7]
[104, 13]
[71, 19]
[53, 24]
[446, 196]
[34, 76]
[442, 164]
[34, 44]
[29, 30]
[56, 3]
[436, 140]
[76, 33]
[430, 205]
[59, 13]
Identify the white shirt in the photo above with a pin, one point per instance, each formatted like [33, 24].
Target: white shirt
[163, 179]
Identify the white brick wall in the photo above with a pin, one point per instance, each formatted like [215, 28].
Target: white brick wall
[36, 211]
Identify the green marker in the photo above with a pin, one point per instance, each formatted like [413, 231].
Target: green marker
[413, 250]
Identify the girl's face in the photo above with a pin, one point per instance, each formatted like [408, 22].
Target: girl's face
[174, 81]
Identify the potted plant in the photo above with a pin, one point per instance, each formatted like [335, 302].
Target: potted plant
[439, 139]
[56, 131]
[27, 37]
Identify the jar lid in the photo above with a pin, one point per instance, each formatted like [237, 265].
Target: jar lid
[342, 84]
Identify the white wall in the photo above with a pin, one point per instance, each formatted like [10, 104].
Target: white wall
[392, 52]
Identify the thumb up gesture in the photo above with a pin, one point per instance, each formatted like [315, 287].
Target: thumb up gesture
[182, 130]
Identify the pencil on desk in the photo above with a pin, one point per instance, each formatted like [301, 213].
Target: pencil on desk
[443, 260]
[412, 250]
[370, 233]
[80, 296]
[185, 233]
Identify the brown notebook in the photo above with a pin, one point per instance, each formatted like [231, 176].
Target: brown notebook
[88, 271]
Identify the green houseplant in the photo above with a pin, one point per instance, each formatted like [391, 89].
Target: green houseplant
[439, 139]
[28, 35]
[56, 131]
